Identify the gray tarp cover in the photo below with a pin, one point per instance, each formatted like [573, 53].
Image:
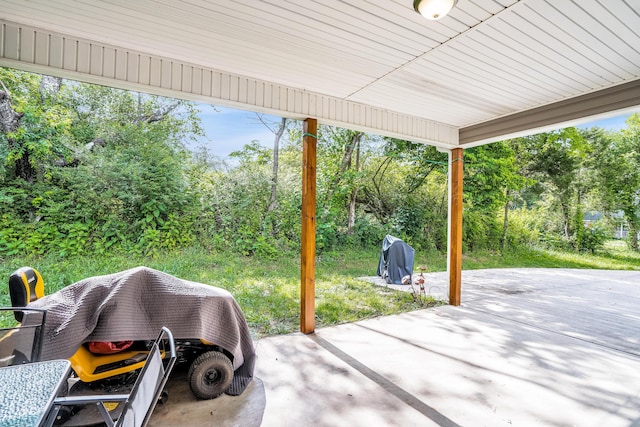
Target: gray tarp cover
[396, 260]
[135, 304]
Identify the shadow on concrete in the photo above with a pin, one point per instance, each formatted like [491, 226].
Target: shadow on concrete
[528, 347]
[184, 409]
[387, 385]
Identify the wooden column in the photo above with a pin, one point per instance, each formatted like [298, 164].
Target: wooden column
[308, 238]
[455, 226]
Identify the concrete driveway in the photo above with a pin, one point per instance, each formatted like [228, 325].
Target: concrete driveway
[528, 347]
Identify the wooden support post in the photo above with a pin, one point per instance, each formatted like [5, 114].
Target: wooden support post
[308, 238]
[455, 225]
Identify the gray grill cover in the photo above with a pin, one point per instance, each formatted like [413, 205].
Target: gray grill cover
[396, 260]
[135, 304]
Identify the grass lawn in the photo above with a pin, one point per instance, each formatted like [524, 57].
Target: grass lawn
[268, 289]
[614, 256]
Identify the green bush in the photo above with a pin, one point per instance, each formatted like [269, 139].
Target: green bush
[368, 232]
[14, 236]
[594, 237]
[480, 231]
[524, 227]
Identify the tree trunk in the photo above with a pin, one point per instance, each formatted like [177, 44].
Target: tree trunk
[505, 225]
[9, 119]
[634, 238]
[374, 200]
[345, 164]
[565, 220]
[157, 115]
[9, 123]
[634, 228]
[49, 86]
[273, 202]
[354, 194]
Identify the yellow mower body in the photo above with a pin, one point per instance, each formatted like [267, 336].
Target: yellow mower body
[90, 367]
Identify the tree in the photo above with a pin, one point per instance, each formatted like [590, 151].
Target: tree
[33, 125]
[404, 188]
[337, 179]
[418, 162]
[92, 168]
[491, 176]
[344, 143]
[616, 162]
[353, 198]
[277, 132]
[557, 159]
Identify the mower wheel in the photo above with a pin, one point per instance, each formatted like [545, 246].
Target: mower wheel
[210, 375]
[164, 396]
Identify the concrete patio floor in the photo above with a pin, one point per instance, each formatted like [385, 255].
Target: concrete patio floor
[528, 347]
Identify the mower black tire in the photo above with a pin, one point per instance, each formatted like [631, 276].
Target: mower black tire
[164, 396]
[210, 375]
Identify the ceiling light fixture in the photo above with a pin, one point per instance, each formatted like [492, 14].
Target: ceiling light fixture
[433, 9]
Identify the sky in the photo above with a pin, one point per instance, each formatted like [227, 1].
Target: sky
[611, 124]
[228, 129]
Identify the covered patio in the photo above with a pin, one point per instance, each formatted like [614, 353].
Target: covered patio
[527, 347]
[488, 71]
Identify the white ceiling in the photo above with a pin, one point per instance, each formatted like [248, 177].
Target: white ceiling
[487, 60]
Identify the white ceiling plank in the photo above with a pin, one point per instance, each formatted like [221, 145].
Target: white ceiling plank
[449, 22]
[513, 62]
[440, 106]
[582, 41]
[463, 17]
[507, 3]
[232, 30]
[330, 75]
[487, 59]
[281, 20]
[520, 49]
[531, 64]
[490, 6]
[477, 13]
[504, 97]
[612, 36]
[221, 44]
[452, 94]
[629, 17]
[477, 65]
[517, 27]
[446, 69]
[363, 24]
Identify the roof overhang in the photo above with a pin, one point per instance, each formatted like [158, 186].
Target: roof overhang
[490, 70]
[604, 103]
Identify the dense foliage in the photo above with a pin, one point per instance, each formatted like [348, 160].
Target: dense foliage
[88, 169]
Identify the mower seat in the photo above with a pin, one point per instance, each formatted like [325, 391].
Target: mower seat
[25, 286]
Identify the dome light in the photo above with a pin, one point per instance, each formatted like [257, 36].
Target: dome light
[434, 9]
